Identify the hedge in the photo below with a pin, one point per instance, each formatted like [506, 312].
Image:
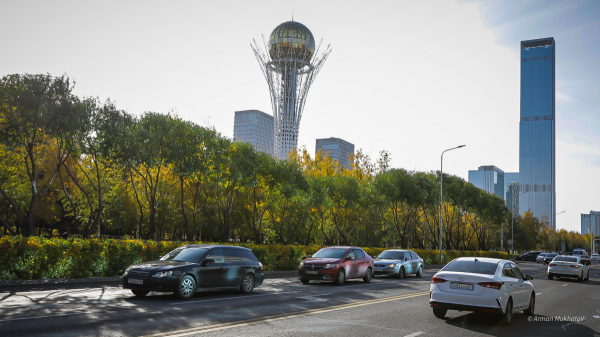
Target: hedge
[26, 258]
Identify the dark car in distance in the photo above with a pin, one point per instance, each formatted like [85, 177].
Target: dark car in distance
[194, 268]
[336, 264]
[529, 256]
[549, 257]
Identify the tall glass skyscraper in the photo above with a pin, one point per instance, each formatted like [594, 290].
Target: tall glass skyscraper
[537, 139]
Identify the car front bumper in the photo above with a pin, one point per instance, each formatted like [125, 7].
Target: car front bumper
[385, 270]
[321, 274]
[163, 284]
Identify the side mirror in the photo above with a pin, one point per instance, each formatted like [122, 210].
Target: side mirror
[207, 261]
[528, 277]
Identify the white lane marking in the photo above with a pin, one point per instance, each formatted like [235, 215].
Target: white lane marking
[538, 294]
[231, 298]
[46, 316]
[564, 285]
[314, 298]
[418, 333]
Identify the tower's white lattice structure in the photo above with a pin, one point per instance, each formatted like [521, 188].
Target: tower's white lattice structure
[290, 64]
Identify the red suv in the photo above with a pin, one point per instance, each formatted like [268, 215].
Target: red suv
[336, 264]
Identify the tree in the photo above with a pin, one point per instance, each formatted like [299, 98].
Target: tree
[33, 108]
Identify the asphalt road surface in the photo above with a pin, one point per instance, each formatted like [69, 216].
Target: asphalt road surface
[285, 307]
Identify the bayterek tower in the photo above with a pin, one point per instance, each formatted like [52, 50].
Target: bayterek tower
[290, 63]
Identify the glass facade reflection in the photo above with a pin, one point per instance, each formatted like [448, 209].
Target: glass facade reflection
[536, 130]
[488, 178]
[511, 183]
[337, 149]
[590, 222]
[256, 128]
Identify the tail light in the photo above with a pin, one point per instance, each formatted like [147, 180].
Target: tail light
[574, 266]
[491, 285]
[437, 280]
[260, 266]
[552, 264]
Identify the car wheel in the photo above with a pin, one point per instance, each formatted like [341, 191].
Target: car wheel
[531, 310]
[550, 276]
[186, 287]
[439, 312]
[420, 272]
[401, 272]
[368, 276]
[507, 319]
[341, 277]
[304, 281]
[247, 284]
[139, 293]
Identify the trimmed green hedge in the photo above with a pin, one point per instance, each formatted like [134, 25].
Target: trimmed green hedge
[26, 258]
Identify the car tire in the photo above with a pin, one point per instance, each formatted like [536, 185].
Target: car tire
[439, 312]
[550, 277]
[401, 273]
[304, 281]
[247, 284]
[368, 276]
[139, 293]
[341, 277]
[507, 318]
[531, 309]
[186, 288]
[420, 272]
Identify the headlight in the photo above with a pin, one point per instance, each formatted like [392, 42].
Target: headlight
[301, 264]
[163, 274]
[329, 265]
[391, 265]
[127, 271]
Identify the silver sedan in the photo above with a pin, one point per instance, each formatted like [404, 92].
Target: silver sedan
[398, 263]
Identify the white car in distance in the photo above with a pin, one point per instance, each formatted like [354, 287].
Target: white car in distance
[569, 266]
[595, 257]
[483, 285]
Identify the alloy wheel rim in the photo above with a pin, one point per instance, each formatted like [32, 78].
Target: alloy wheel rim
[368, 274]
[248, 283]
[186, 287]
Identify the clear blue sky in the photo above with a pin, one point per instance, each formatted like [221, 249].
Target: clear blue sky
[410, 77]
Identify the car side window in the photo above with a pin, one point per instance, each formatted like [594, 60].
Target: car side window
[407, 256]
[352, 254]
[507, 271]
[413, 255]
[359, 253]
[517, 272]
[231, 256]
[217, 255]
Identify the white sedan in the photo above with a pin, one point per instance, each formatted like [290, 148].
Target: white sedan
[569, 266]
[484, 285]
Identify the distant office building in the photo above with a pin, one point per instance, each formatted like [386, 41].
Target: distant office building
[488, 178]
[590, 222]
[511, 182]
[338, 149]
[537, 130]
[256, 128]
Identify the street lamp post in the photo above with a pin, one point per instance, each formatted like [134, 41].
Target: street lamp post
[554, 227]
[442, 195]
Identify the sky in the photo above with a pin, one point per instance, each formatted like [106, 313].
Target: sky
[409, 77]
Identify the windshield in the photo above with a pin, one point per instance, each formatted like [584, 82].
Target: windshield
[475, 267]
[551, 255]
[330, 253]
[391, 255]
[565, 259]
[185, 254]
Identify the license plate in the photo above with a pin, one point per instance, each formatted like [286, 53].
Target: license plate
[563, 267]
[133, 281]
[312, 272]
[461, 286]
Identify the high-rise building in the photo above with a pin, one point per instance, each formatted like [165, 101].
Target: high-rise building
[511, 183]
[290, 65]
[337, 149]
[590, 222]
[536, 130]
[489, 178]
[256, 128]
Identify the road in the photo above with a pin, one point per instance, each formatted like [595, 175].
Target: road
[285, 307]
